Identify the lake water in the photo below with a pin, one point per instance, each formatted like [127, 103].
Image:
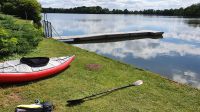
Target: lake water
[175, 56]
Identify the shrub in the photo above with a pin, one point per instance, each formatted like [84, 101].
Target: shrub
[26, 9]
[17, 36]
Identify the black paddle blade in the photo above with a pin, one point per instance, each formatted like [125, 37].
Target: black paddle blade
[75, 102]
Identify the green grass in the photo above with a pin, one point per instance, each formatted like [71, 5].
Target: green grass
[156, 94]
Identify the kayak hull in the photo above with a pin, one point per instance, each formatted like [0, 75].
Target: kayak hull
[30, 76]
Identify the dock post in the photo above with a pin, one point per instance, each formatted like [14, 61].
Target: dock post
[47, 29]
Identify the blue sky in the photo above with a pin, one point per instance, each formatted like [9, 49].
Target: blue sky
[120, 4]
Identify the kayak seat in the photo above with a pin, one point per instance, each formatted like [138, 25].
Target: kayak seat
[35, 61]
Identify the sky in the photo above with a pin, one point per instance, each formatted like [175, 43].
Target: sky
[120, 4]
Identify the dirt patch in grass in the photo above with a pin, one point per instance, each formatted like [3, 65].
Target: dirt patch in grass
[14, 97]
[93, 67]
[9, 99]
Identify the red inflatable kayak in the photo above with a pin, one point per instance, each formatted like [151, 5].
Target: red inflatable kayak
[15, 71]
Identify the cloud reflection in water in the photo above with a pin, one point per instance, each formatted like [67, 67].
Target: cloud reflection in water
[145, 49]
[187, 77]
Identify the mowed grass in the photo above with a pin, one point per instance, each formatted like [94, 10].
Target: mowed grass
[157, 94]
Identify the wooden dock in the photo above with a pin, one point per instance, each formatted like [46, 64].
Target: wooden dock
[134, 34]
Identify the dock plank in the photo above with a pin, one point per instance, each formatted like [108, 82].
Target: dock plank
[111, 35]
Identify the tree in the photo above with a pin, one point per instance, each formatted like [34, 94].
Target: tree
[126, 11]
[26, 9]
[105, 11]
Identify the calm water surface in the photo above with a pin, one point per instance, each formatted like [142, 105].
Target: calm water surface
[176, 56]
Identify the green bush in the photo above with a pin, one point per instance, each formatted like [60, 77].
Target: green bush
[17, 36]
[26, 9]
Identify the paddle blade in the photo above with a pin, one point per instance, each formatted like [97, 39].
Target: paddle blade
[75, 102]
[138, 83]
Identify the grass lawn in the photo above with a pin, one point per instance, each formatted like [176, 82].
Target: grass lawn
[79, 80]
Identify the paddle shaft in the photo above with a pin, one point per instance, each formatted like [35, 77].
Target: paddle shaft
[108, 91]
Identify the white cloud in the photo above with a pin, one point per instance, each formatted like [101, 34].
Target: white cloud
[120, 4]
[145, 49]
[187, 77]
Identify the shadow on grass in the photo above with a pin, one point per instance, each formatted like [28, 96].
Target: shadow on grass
[75, 102]
[80, 101]
[9, 85]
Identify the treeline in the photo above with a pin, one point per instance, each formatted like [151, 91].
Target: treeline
[193, 10]
[85, 10]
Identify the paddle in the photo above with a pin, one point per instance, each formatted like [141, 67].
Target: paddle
[81, 100]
